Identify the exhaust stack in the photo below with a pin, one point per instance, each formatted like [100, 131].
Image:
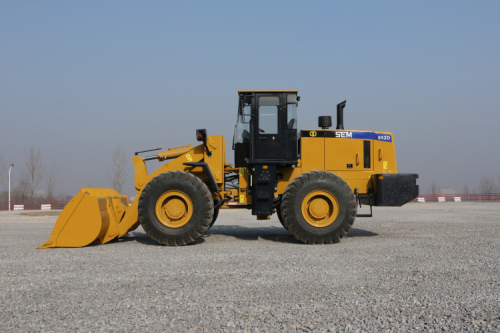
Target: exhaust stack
[340, 115]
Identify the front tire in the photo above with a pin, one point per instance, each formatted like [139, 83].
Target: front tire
[318, 207]
[175, 208]
[214, 218]
[280, 217]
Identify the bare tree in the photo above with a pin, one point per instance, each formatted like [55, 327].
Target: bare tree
[466, 189]
[51, 181]
[486, 185]
[118, 173]
[433, 189]
[32, 172]
[4, 179]
[20, 192]
[4, 170]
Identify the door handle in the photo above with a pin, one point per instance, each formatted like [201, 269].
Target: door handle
[380, 154]
[357, 159]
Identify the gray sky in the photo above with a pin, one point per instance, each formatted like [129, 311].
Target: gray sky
[76, 78]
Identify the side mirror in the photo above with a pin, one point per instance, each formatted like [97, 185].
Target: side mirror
[201, 135]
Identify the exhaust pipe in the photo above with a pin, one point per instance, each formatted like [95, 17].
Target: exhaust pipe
[340, 115]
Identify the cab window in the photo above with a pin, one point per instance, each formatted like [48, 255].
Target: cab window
[268, 114]
[291, 111]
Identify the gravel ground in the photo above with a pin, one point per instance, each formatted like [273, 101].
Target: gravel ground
[422, 267]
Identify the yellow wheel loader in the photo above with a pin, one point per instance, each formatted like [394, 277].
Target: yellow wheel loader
[313, 179]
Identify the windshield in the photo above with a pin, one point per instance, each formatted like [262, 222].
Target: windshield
[242, 128]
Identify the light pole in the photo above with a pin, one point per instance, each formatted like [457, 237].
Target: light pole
[9, 182]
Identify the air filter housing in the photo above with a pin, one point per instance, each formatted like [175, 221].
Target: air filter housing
[325, 122]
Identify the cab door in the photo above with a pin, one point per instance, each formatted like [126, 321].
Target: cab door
[267, 125]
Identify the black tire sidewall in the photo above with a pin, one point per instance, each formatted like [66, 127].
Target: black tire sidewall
[293, 198]
[280, 217]
[191, 187]
[214, 218]
[337, 192]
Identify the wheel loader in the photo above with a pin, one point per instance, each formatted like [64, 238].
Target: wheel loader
[312, 179]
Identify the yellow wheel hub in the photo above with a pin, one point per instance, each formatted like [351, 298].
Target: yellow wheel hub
[174, 209]
[320, 208]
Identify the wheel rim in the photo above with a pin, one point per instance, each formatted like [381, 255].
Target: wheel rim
[320, 208]
[174, 209]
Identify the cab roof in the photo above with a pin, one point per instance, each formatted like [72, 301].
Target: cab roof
[268, 91]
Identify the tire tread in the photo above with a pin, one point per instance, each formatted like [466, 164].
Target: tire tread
[197, 227]
[297, 225]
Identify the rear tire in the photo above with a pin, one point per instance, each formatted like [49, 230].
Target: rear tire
[175, 208]
[214, 218]
[318, 207]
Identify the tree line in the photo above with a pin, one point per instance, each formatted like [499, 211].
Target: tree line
[36, 180]
[487, 185]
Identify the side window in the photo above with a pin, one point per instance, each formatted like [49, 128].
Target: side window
[291, 111]
[268, 114]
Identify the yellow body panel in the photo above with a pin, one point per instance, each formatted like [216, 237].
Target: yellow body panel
[312, 154]
[384, 154]
[321, 152]
[339, 152]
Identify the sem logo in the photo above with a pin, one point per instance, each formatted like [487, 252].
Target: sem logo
[313, 133]
[343, 134]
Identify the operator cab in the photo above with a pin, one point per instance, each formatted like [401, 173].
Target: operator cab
[265, 137]
[266, 128]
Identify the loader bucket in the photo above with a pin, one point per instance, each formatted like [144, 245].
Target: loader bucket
[92, 216]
